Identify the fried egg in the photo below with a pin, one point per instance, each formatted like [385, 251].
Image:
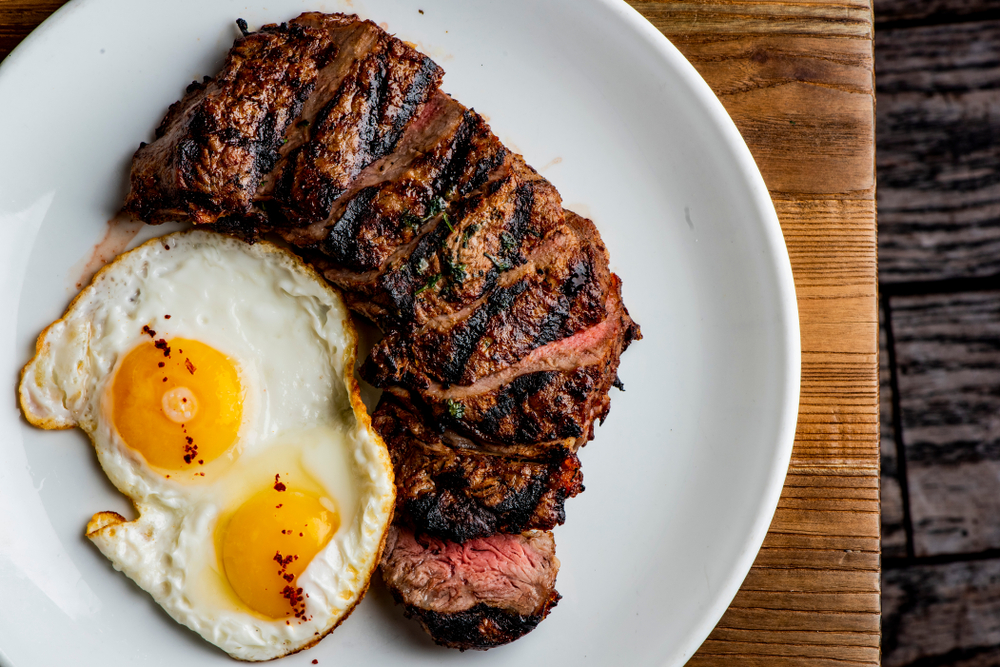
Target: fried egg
[216, 381]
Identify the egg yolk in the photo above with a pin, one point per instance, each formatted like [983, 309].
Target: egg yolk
[269, 542]
[179, 403]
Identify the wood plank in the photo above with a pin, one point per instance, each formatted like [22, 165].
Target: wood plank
[939, 151]
[945, 614]
[942, 11]
[839, 18]
[821, 234]
[949, 384]
[770, 82]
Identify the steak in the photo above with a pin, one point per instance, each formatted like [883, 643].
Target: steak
[503, 325]
[480, 594]
[450, 489]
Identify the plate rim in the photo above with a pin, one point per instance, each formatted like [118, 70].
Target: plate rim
[788, 309]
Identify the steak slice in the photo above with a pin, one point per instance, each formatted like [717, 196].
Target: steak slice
[216, 144]
[560, 290]
[382, 85]
[477, 595]
[549, 397]
[459, 492]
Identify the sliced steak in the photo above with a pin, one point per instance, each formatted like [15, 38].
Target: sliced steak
[216, 144]
[480, 594]
[549, 397]
[503, 324]
[450, 489]
[382, 85]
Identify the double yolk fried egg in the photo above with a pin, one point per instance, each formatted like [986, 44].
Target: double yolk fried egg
[216, 381]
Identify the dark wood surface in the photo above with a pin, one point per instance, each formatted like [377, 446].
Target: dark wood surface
[888, 12]
[938, 85]
[948, 371]
[797, 79]
[938, 151]
[893, 524]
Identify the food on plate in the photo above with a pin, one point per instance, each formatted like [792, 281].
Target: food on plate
[503, 325]
[484, 592]
[216, 381]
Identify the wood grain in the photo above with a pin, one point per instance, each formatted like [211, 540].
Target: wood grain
[943, 615]
[19, 17]
[890, 12]
[949, 384]
[797, 79]
[939, 151]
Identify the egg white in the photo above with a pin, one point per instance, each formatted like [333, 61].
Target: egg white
[293, 342]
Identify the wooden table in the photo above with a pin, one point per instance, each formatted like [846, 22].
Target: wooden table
[797, 78]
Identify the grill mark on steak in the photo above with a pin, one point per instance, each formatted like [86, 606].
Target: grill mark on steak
[480, 628]
[216, 144]
[552, 394]
[463, 347]
[361, 123]
[457, 492]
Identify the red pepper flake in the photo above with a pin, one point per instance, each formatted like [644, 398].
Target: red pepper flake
[161, 364]
[316, 662]
[278, 506]
[164, 379]
[201, 462]
[190, 451]
[162, 345]
[149, 332]
[278, 486]
[166, 247]
[167, 316]
[188, 365]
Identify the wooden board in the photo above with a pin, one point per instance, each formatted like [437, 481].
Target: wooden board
[939, 152]
[797, 79]
[938, 84]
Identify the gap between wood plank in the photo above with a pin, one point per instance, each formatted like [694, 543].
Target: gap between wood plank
[897, 427]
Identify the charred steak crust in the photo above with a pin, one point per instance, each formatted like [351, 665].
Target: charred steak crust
[217, 143]
[460, 493]
[480, 628]
[503, 323]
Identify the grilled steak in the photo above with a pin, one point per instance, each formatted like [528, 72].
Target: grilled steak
[460, 492]
[480, 594]
[503, 323]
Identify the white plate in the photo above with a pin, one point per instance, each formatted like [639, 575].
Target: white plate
[683, 478]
